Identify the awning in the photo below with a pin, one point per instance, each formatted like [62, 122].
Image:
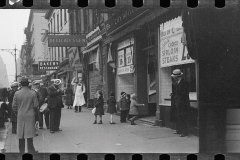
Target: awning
[147, 18]
[90, 49]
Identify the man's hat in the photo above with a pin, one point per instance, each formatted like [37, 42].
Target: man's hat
[14, 84]
[37, 82]
[24, 79]
[123, 94]
[177, 73]
[57, 81]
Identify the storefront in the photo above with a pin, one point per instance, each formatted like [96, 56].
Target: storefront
[173, 54]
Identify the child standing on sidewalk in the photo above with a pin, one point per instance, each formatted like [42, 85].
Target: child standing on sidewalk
[111, 102]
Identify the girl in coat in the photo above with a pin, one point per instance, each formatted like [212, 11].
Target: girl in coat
[111, 102]
[69, 94]
[79, 100]
[99, 107]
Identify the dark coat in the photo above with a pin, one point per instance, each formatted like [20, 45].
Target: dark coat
[10, 110]
[42, 94]
[111, 102]
[124, 103]
[180, 102]
[69, 96]
[99, 106]
[54, 98]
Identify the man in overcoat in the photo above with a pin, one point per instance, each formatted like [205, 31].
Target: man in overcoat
[180, 102]
[25, 105]
[55, 105]
[42, 95]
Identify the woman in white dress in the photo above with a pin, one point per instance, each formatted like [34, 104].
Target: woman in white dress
[79, 100]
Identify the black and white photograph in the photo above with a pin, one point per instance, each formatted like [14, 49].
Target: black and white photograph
[120, 79]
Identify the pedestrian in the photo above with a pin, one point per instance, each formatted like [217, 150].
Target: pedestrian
[123, 105]
[24, 105]
[128, 97]
[180, 102]
[55, 105]
[79, 100]
[133, 112]
[99, 107]
[42, 98]
[13, 117]
[111, 102]
[69, 96]
[3, 112]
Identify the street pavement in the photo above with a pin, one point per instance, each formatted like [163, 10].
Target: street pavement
[80, 135]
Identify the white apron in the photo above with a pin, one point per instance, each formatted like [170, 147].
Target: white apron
[79, 98]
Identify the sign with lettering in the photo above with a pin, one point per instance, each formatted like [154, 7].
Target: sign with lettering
[129, 56]
[48, 65]
[67, 41]
[125, 70]
[93, 36]
[121, 19]
[39, 72]
[125, 43]
[173, 49]
[121, 59]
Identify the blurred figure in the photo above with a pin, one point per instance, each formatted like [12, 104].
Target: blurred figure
[13, 117]
[111, 102]
[133, 112]
[25, 105]
[79, 100]
[69, 96]
[99, 107]
[128, 105]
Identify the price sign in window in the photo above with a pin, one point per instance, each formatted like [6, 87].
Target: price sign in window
[121, 60]
[129, 56]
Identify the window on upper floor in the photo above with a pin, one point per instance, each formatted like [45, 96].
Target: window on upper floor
[54, 24]
[65, 16]
[58, 23]
[61, 18]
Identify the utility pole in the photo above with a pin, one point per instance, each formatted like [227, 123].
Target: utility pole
[15, 57]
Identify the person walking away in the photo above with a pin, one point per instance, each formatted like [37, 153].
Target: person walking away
[180, 102]
[128, 97]
[79, 100]
[99, 107]
[133, 112]
[123, 105]
[69, 96]
[42, 97]
[24, 105]
[111, 102]
[55, 105]
[13, 117]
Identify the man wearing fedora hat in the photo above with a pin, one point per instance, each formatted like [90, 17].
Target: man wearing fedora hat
[55, 105]
[25, 105]
[180, 102]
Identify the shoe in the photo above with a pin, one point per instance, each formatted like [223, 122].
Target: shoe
[112, 123]
[36, 134]
[95, 122]
[68, 108]
[100, 122]
[133, 124]
[40, 127]
[183, 135]
[58, 129]
[51, 131]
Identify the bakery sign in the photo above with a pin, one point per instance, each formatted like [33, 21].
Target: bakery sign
[173, 49]
[67, 41]
[48, 65]
[125, 70]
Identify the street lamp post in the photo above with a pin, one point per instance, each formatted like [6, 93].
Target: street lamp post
[15, 57]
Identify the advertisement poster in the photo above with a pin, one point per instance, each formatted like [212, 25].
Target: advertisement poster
[121, 60]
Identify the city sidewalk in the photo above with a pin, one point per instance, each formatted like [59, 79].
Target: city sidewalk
[80, 135]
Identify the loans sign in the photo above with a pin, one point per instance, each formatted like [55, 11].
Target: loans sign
[48, 65]
[67, 41]
[173, 49]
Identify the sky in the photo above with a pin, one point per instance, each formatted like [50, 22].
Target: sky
[13, 22]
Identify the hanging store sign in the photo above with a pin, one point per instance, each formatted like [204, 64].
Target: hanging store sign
[48, 65]
[93, 36]
[121, 19]
[67, 41]
[125, 70]
[173, 49]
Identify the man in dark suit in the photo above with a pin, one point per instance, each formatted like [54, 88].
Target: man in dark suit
[180, 102]
[55, 105]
